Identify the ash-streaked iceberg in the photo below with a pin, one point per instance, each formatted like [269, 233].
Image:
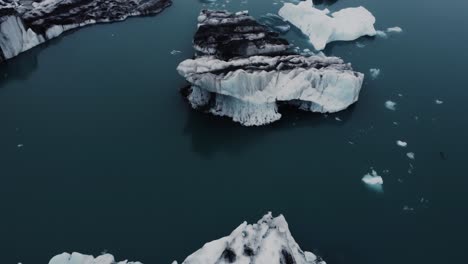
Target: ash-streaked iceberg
[228, 35]
[249, 82]
[249, 90]
[25, 24]
[269, 241]
[77, 258]
[322, 27]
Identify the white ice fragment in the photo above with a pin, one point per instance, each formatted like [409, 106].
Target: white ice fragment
[401, 143]
[437, 101]
[20, 145]
[410, 155]
[390, 105]
[322, 27]
[175, 52]
[394, 30]
[372, 178]
[374, 73]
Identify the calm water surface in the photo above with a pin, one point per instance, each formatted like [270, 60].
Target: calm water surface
[98, 152]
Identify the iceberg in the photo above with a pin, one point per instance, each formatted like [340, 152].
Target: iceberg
[228, 35]
[246, 72]
[25, 24]
[249, 90]
[77, 258]
[269, 241]
[322, 27]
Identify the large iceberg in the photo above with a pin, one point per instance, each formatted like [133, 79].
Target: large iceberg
[250, 81]
[269, 241]
[25, 24]
[77, 258]
[322, 27]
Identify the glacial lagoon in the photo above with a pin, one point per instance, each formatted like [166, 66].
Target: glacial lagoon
[100, 153]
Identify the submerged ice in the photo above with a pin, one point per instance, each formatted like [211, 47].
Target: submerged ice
[323, 27]
[267, 241]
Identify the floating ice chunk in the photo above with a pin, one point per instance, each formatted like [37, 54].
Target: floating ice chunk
[394, 30]
[267, 242]
[322, 27]
[390, 105]
[439, 102]
[401, 143]
[381, 34]
[372, 178]
[175, 52]
[77, 258]
[410, 155]
[374, 73]
[374, 181]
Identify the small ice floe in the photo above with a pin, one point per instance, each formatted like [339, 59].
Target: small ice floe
[407, 208]
[360, 45]
[394, 30]
[402, 144]
[338, 119]
[19, 145]
[374, 73]
[437, 101]
[395, 123]
[400, 95]
[374, 181]
[390, 105]
[410, 155]
[175, 52]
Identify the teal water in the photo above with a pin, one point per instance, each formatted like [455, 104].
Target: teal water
[112, 159]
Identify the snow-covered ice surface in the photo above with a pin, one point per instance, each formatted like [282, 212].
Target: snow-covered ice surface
[77, 258]
[269, 241]
[322, 27]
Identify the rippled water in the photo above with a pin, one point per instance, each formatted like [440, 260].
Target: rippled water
[99, 152]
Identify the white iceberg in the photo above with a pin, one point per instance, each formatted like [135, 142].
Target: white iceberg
[267, 242]
[77, 258]
[322, 27]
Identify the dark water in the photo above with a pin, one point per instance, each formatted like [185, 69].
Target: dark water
[110, 158]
